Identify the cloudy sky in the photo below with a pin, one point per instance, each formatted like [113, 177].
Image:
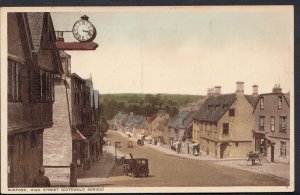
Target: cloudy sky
[185, 50]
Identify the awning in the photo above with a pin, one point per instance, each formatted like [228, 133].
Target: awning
[258, 135]
[77, 136]
[193, 145]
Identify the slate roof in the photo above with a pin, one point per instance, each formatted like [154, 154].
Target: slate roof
[252, 100]
[182, 120]
[215, 107]
[35, 21]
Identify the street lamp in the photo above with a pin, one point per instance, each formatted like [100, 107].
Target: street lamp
[116, 146]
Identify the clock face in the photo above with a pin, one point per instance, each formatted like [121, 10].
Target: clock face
[84, 31]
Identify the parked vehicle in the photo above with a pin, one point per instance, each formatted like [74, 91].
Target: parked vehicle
[140, 142]
[135, 167]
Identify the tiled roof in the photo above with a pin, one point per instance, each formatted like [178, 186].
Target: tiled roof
[35, 20]
[215, 107]
[252, 100]
[182, 120]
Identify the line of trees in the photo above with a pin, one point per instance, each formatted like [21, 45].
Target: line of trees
[143, 104]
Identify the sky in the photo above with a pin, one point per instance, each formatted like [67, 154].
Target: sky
[185, 50]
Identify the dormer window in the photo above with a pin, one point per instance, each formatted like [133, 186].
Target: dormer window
[279, 102]
[262, 103]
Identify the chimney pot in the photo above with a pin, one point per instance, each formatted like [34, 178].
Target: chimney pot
[217, 90]
[239, 88]
[277, 89]
[255, 90]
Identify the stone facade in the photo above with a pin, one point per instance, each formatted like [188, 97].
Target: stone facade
[224, 125]
[271, 131]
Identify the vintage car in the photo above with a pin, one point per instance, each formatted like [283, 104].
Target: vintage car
[140, 142]
[135, 167]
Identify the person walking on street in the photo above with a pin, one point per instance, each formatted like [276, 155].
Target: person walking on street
[41, 180]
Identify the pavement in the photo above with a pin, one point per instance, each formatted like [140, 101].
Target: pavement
[280, 170]
[96, 175]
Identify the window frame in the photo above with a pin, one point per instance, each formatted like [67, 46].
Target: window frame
[261, 128]
[261, 103]
[231, 112]
[280, 124]
[282, 149]
[225, 129]
[14, 79]
[272, 124]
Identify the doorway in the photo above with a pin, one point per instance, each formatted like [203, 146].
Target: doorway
[223, 147]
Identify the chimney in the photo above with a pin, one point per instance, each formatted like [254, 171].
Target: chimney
[239, 88]
[59, 35]
[217, 90]
[210, 91]
[255, 91]
[277, 89]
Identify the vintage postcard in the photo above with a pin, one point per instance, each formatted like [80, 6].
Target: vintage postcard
[147, 99]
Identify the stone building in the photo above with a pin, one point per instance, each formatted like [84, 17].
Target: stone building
[64, 143]
[33, 62]
[181, 127]
[223, 125]
[271, 133]
[155, 127]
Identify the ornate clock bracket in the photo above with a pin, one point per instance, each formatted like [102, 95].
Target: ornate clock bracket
[62, 45]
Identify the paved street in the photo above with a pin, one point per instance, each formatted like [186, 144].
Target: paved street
[168, 170]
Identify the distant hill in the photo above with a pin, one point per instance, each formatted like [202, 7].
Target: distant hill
[144, 104]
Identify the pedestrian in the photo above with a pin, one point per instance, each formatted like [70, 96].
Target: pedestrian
[41, 180]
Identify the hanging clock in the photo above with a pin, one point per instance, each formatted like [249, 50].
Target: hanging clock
[83, 30]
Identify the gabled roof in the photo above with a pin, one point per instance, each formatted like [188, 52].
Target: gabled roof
[286, 97]
[182, 120]
[35, 20]
[36, 23]
[252, 100]
[215, 107]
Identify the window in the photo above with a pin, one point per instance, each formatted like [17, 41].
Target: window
[236, 144]
[261, 123]
[42, 87]
[14, 81]
[225, 128]
[282, 124]
[262, 103]
[231, 112]
[272, 123]
[279, 102]
[282, 149]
